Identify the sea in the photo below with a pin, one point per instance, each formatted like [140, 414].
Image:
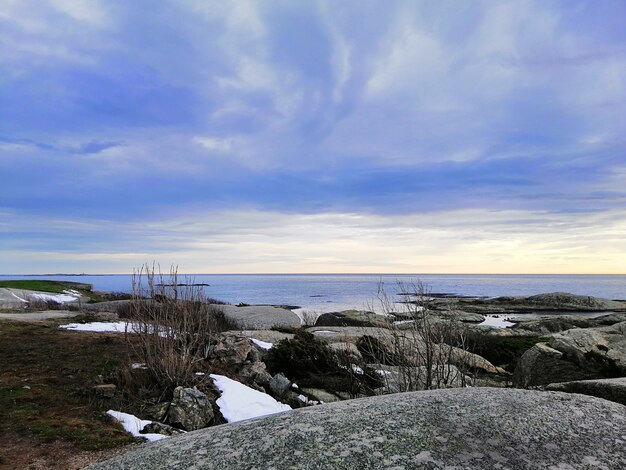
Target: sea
[335, 292]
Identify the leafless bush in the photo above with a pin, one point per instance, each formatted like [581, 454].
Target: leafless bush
[309, 317]
[174, 324]
[420, 348]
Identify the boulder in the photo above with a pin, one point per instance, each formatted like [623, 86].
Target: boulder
[105, 390]
[320, 395]
[609, 389]
[458, 428]
[190, 409]
[279, 384]
[577, 354]
[160, 428]
[468, 361]
[242, 357]
[542, 365]
[260, 317]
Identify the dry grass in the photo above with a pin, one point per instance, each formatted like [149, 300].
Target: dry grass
[49, 415]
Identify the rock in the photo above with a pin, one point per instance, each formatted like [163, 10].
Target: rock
[157, 412]
[352, 318]
[160, 428]
[190, 409]
[105, 390]
[608, 389]
[550, 302]
[255, 373]
[347, 348]
[320, 395]
[403, 379]
[460, 428]
[577, 354]
[260, 317]
[472, 362]
[602, 349]
[279, 384]
[548, 325]
[242, 357]
[542, 365]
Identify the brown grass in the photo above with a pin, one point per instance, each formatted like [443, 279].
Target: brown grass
[50, 418]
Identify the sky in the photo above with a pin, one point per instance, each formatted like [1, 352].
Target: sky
[313, 136]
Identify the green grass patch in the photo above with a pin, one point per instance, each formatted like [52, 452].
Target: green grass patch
[55, 287]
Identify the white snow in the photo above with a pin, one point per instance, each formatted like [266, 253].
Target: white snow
[262, 344]
[18, 297]
[382, 372]
[101, 327]
[138, 365]
[403, 322]
[239, 402]
[66, 296]
[325, 332]
[496, 322]
[133, 425]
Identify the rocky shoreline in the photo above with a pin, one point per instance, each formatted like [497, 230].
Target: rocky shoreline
[355, 354]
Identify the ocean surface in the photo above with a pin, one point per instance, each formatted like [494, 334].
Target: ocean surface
[333, 292]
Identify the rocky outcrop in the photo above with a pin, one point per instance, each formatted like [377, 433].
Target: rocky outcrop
[190, 409]
[260, 317]
[609, 389]
[241, 357]
[576, 354]
[549, 325]
[460, 428]
[550, 302]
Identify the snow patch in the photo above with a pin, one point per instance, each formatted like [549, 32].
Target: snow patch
[496, 322]
[133, 425]
[262, 344]
[356, 369]
[102, 327]
[239, 402]
[382, 372]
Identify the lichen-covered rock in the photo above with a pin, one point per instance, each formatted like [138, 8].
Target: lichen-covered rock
[457, 428]
[190, 409]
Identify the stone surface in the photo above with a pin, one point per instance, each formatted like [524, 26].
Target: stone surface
[320, 395]
[609, 389]
[160, 428]
[260, 317]
[279, 384]
[461, 428]
[242, 357]
[576, 354]
[39, 316]
[542, 365]
[190, 409]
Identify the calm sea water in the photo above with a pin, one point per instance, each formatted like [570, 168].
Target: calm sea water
[332, 292]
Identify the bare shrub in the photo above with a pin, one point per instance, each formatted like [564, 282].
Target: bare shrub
[309, 317]
[422, 349]
[174, 324]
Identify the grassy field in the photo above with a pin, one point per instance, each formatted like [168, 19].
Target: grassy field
[46, 286]
[49, 414]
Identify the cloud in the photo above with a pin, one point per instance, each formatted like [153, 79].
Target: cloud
[126, 112]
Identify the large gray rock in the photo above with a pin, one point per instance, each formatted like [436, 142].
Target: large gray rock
[609, 389]
[460, 428]
[577, 354]
[241, 356]
[260, 317]
[541, 365]
[190, 409]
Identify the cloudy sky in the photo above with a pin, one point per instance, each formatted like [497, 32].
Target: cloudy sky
[313, 136]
